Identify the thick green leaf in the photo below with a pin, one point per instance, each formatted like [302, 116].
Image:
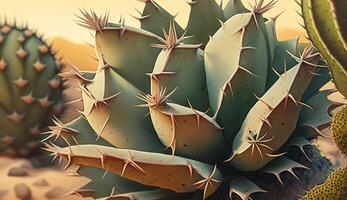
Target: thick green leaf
[233, 78]
[167, 172]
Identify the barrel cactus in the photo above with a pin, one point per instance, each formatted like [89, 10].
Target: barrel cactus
[31, 90]
[194, 113]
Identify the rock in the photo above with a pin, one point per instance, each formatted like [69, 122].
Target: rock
[41, 183]
[18, 171]
[22, 191]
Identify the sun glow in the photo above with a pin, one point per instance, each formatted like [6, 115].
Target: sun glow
[57, 18]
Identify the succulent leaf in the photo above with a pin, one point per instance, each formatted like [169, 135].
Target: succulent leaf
[79, 132]
[299, 142]
[281, 165]
[314, 115]
[205, 19]
[322, 77]
[282, 60]
[110, 98]
[147, 168]
[232, 78]
[189, 132]
[234, 7]
[155, 19]
[243, 188]
[174, 68]
[148, 195]
[263, 129]
[135, 57]
[270, 27]
[82, 77]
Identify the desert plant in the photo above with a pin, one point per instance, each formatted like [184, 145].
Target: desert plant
[262, 94]
[325, 22]
[30, 87]
[339, 129]
[326, 27]
[334, 188]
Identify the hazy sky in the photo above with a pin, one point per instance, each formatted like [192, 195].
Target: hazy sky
[56, 17]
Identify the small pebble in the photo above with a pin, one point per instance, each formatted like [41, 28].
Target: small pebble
[17, 171]
[41, 183]
[22, 191]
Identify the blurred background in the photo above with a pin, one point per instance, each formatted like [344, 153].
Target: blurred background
[57, 20]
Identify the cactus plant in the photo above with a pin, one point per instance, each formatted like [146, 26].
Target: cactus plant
[326, 27]
[325, 23]
[30, 89]
[262, 94]
[334, 188]
[24, 182]
[339, 128]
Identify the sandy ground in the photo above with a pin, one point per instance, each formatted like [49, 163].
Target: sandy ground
[23, 181]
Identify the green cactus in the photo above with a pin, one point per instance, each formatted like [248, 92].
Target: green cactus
[263, 96]
[326, 27]
[30, 87]
[339, 128]
[334, 188]
[325, 22]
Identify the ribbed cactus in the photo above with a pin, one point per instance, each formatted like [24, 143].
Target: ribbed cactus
[325, 22]
[327, 28]
[229, 103]
[30, 89]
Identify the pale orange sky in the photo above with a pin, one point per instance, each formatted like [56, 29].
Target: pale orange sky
[56, 17]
